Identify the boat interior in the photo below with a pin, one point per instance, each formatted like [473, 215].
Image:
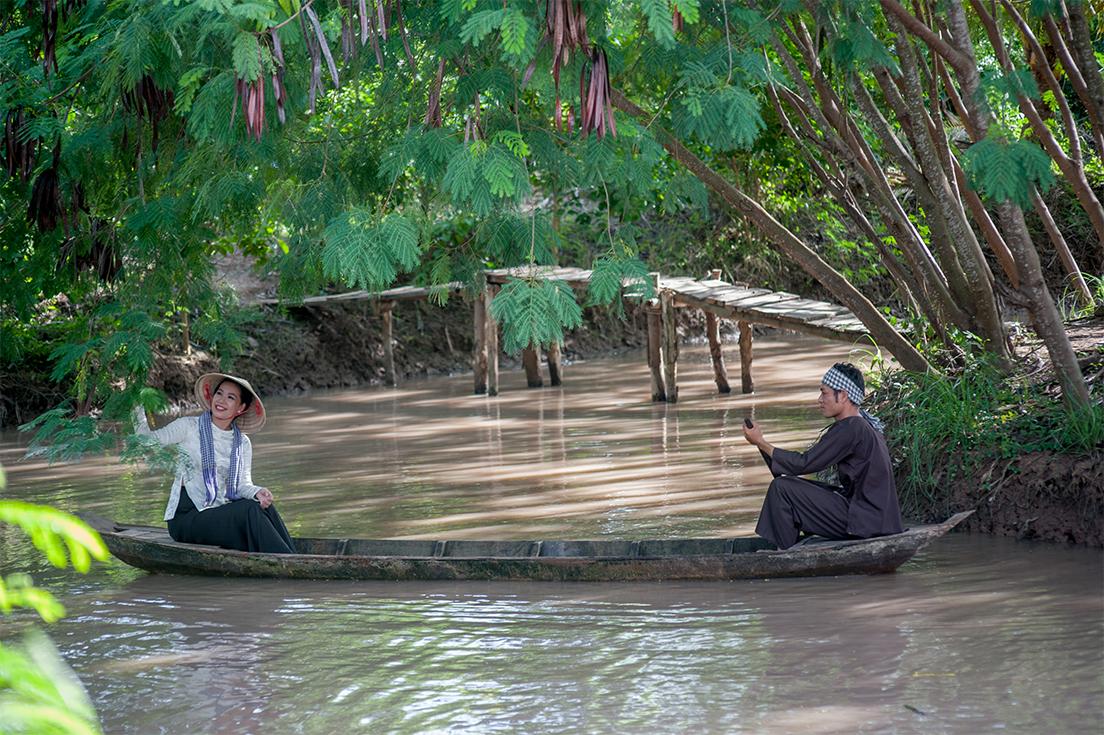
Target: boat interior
[429, 548]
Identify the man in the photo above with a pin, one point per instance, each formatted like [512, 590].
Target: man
[865, 504]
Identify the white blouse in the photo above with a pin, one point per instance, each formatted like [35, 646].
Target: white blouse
[184, 434]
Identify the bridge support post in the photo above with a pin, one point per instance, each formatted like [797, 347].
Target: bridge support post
[655, 352]
[670, 344]
[746, 384]
[713, 335]
[555, 366]
[530, 360]
[491, 337]
[386, 311]
[479, 351]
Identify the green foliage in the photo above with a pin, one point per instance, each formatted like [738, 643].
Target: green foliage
[1009, 86]
[517, 33]
[366, 251]
[360, 187]
[480, 176]
[689, 9]
[62, 437]
[1003, 171]
[854, 46]
[479, 24]
[534, 312]
[945, 428]
[38, 692]
[247, 56]
[54, 533]
[726, 117]
[616, 278]
[658, 13]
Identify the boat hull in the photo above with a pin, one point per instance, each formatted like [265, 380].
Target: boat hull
[151, 549]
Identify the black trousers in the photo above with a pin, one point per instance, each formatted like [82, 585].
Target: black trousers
[240, 524]
[793, 505]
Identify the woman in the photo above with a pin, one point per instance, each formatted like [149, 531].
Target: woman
[213, 499]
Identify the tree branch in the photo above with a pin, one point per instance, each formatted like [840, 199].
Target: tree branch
[787, 242]
[954, 57]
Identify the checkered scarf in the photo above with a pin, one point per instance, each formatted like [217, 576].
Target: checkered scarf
[207, 456]
[836, 380]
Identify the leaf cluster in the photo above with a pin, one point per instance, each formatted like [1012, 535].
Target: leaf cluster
[534, 312]
[1003, 170]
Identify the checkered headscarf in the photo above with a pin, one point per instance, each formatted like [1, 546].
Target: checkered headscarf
[837, 380]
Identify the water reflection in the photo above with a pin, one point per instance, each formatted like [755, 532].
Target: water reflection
[592, 458]
[941, 647]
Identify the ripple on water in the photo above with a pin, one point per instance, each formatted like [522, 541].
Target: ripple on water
[976, 634]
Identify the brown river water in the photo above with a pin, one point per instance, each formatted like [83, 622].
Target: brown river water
[975, 634]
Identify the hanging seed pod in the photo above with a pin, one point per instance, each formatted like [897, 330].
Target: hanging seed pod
[279, 91]
[373, 32]
[405, 36]
[381, 18]
[676, 20]
[101, 256]
[362, 16]
[315, 54]
[149, 102]
[348, 47]
[594, 91]
[322, 44]
[19, 155]
[253, 107]
[565, 27]
[472, 129]
[44, 209]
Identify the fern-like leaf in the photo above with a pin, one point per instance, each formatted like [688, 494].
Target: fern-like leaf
[476, 28]
[658, 13]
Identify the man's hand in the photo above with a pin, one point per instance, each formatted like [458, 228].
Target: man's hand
[754, 435]
[264, 497]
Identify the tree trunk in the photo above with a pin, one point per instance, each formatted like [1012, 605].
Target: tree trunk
[1077, 81]
[971, 259]
[1048, 322]
[1062, 248]
[1084, 54]
[1070, 165]
[880, 329]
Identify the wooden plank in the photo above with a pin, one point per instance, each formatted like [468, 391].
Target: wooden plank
[727, 296]
[763, 300]
[811, 315]
[801, 304]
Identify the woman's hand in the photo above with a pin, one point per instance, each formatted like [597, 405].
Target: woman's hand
[264, 497]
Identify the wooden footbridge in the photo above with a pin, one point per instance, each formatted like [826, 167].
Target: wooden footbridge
[716, 298]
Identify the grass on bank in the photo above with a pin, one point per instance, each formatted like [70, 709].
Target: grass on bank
[943, 429]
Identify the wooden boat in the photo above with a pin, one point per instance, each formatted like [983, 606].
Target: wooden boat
[150, 548]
